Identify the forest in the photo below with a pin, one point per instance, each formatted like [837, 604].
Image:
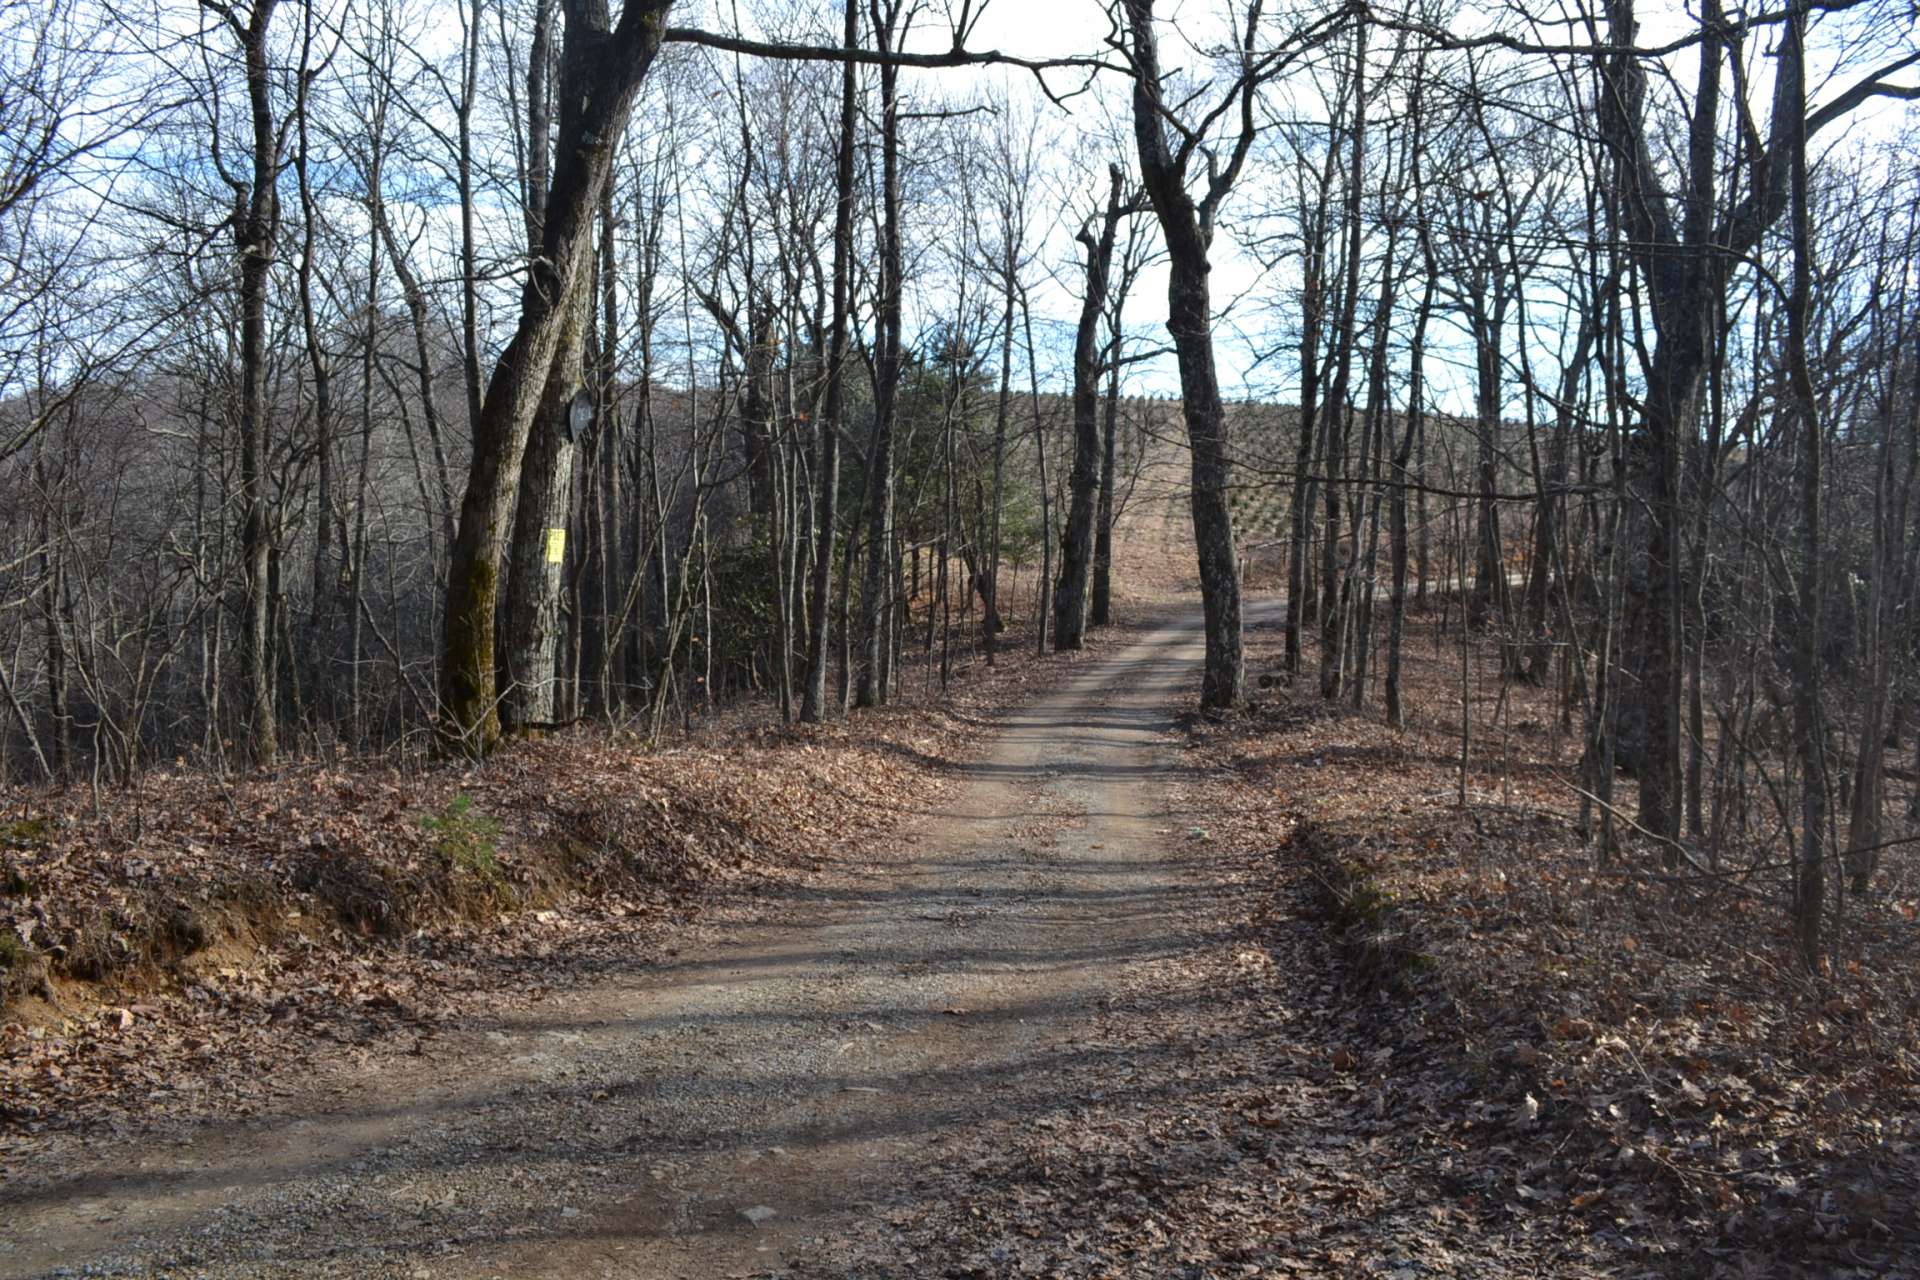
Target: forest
[405, 398]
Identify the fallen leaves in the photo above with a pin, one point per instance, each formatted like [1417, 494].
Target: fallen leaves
[199, 936]
[1638, 1033]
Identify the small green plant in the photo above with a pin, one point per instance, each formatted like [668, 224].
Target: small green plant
[25, 833]
[1361, 901]
[12, 950]
[12, 883]
[464, 837]
[1379, 946]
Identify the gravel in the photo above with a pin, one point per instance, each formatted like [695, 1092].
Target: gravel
[748, 1104]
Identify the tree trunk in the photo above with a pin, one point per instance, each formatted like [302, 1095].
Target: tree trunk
[538, 553]
[1416, 409]
[1043, 612]
[1489, 573]
[1083, 482]
[1809, 733]
[600, 73]
[1100, 613]
[1300, 506]
[1335, 568]
[1188, 229]
[826, 478]
[1891, 585]
[1000, 409]
[326, 573]
[876, 594]
[256, 227]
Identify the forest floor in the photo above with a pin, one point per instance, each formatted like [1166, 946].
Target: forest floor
[1124, 995]
[1045, 977]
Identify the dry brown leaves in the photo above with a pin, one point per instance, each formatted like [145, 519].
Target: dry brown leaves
[1631, 1055]
[1412, 1038]
[192, 945]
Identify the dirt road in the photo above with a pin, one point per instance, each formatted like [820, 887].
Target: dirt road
[748, 1105]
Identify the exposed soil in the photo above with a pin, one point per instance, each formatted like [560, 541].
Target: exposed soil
[802, 1060]
[1100, 1007]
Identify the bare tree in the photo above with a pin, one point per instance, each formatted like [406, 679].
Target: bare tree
[1686, 249]
[826, 477]
[1168, 146]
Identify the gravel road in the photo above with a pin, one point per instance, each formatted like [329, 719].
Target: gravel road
[739, 1108]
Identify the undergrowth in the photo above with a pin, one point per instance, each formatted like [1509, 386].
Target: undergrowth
[465, 838]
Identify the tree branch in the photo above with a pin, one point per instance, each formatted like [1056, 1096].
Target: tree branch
[958, 56]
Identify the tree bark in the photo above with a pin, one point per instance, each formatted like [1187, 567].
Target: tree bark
[1188, 228]
[1083, 482]
[538, 552]
[1335, 569]
[256, 228]
[1809, 732]
[600, 72]
[1100, 611]
[876, 593]
[813, 698]
[1313, 308]
[1416, 409]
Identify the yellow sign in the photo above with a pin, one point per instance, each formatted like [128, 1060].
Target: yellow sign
[556, 545]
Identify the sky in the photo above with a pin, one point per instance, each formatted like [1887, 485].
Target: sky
[1048, 28]
[1247, 302]
[1063, 28]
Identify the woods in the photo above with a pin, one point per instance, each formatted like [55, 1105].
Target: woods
[933, 637]
[389, 377]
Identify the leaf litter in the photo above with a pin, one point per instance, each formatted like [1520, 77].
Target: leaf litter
[194, 948]
[1408, 1038]
[1414, 1039]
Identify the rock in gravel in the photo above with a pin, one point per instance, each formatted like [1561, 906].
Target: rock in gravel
[759, 1215]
